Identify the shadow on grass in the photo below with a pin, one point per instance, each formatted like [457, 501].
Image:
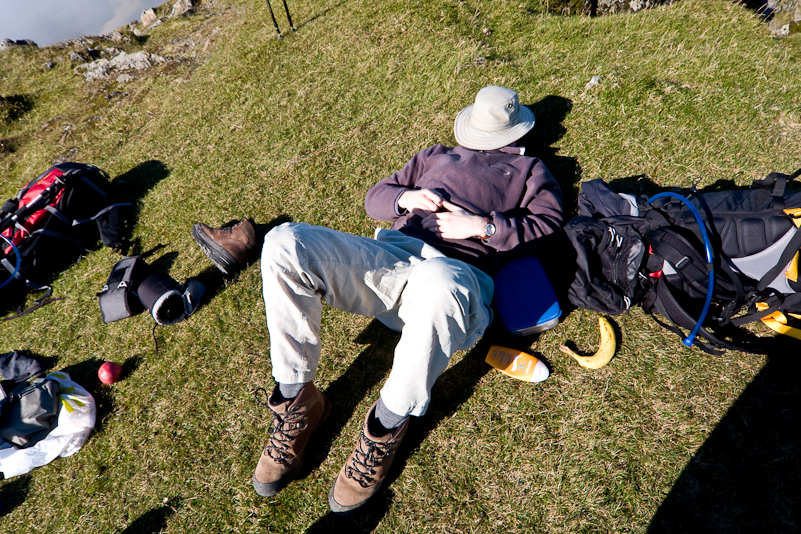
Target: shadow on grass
[746, 477]
[9, 145]
[348, 390]
[133, 185]
[13, 107]
[550, 113]
[154, 520]
[455, 386]
[763, 8]
[13, 493]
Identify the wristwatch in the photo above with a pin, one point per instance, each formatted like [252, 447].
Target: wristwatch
[489, 229]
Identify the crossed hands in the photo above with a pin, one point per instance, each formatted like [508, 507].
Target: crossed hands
[446, 220]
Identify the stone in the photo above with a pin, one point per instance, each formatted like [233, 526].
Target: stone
[124, 78]
[148, 17]
[636, 5]
[595, 80]
[8, 43]
[115, 36]
[96, 70]
[602, 7]
[101, 69]
[182, 7]
[137, 61]
[783, 17]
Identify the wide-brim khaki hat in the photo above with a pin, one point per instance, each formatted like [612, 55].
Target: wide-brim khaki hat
[493, 121]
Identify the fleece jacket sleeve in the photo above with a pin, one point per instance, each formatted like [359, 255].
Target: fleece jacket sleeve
[380, 201]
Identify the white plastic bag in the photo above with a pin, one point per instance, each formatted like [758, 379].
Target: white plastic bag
[76, 420]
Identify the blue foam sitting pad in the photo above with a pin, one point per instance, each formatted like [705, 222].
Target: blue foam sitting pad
[524, 297]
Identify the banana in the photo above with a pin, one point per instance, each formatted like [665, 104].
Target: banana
[605, 351]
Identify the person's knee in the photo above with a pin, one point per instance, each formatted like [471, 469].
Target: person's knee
[280, 247]
[443, 283]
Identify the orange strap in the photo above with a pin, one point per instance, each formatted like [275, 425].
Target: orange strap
[778, 321]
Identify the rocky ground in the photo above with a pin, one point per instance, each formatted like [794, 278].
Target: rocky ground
[105, 57]
[782, 16]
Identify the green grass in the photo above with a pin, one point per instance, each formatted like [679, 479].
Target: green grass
[241, 124]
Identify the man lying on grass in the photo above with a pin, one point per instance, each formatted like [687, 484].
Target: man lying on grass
[452, 209]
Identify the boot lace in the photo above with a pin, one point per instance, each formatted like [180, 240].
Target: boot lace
[368, 455]
[285, 428]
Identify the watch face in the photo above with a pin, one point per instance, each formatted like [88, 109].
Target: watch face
[489, 230]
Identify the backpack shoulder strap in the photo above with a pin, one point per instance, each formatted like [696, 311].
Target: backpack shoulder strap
[681, 255]
[790, 250]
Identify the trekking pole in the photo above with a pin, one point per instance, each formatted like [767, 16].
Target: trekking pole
[21, 213]
[272, 15]
[36, 204]
[710, 285]
[288, 17]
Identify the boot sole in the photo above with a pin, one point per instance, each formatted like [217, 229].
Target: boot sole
[218, 255]
[340, 509]
[269, 489]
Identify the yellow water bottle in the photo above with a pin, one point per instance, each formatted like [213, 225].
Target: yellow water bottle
[517, 364]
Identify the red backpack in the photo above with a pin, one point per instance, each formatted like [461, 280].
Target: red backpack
[51, 223]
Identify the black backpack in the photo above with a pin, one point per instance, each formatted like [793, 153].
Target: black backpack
[52, 222]
[654, 254]
[29, 404]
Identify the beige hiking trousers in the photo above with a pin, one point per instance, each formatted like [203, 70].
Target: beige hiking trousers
[439, 304]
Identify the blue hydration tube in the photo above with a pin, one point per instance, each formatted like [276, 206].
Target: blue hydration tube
[710, 286]
[19, 261]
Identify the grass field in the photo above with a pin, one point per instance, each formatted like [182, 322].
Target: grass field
[240, 124]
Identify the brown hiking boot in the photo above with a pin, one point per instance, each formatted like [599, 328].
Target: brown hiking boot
[227, 248]
[294, 423]
[364, 472]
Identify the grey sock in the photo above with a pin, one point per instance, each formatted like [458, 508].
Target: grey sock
[290, 391]
[387, 418]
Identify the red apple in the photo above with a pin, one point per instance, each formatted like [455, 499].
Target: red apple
[109, 372]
